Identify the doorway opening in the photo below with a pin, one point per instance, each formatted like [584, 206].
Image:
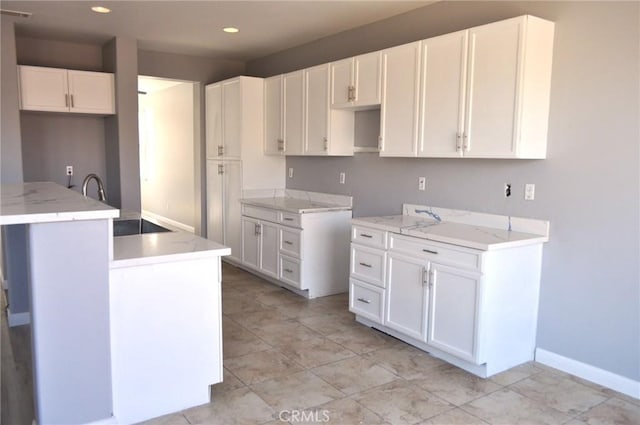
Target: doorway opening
[169, 130]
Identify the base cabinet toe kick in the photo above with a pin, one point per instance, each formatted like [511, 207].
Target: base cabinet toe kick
[476, 309]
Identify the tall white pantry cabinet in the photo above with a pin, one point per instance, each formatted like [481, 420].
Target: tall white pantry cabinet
[235, 159]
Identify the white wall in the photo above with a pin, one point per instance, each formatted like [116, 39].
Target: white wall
[167, 153]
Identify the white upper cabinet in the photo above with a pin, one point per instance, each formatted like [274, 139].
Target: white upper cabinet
[61, 90]
[273, 117]
[400, 98]
[316, 85]
[444, 61]
[326, 131]
[293, 94]
[485, 91]
[224, 119]
[356, 82]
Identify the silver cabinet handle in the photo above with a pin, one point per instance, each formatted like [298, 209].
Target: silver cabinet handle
[66, 100]
[364, 235]
[72, 105]
[465, 144]
[428, 251]
[288, 270]
[365, 265]
[364, 300]
[288, 242]
[326, 143]
[425, 276]
[432, 278]
[220, 169]
[220, 150]
[458, 141]
[287, 219]
[280, 145]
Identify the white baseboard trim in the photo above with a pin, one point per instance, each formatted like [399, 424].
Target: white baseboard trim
[18, 319]
[590, 373]
[166, 222]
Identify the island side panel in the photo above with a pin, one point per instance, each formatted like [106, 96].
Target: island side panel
[69, 272]
[166, 336]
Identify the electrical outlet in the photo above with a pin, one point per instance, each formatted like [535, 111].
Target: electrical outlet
[342, 178]
[422, 183]
[507, 190]
[69, 170]
[291, 172]
[529, 191]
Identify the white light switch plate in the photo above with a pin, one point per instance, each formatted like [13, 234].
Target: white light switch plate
[529, 191]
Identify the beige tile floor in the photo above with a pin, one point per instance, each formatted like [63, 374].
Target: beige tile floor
[284, 355]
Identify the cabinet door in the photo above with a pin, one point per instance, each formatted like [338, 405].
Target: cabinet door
[232, 173]
[269, 248]
[407, 294]
[273, 141]
[215, 202]
[492, 86]
[444, 61]
[43, 89]
[224, 190]
[251, 242]
[400, 95]
[91, 92]
[293, 113]
[213, 108]
[453, 311]
[317, 110]
[368, 79]
[231, 118]
[341, 83]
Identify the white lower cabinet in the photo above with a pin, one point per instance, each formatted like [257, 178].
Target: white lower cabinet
[308, 253]
[407, 296]
[475, 309]
[259, 245]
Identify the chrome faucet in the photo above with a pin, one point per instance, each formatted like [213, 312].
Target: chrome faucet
[101, 195]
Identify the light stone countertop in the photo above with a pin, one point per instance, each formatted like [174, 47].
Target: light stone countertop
[467, 235]
[164, 247]
[294, 205]
[47, 202]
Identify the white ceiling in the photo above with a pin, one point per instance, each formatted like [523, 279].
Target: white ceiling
[195, 27]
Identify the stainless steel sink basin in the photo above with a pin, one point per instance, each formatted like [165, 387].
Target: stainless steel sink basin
[136, 227]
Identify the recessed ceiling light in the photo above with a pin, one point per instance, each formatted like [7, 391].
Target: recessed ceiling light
[230, 29]
[100, 9]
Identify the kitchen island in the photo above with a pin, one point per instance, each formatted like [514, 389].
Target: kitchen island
[79, 283]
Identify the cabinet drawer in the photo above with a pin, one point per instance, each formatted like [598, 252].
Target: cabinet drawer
[366, 300]
[289, 219]
[290, 271]
[368, 264]
[368, 236]
[435, 251]
[261, 213]
[290, 242]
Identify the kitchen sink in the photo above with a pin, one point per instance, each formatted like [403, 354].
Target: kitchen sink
[136, 227]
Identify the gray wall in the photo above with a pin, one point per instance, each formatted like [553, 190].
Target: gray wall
[204, 71]
[52, 141]
[587, 187]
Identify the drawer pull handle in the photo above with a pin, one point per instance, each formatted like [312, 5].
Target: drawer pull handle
[430, 251]
[288, 219]
[365, 265]
[288, 242]
[363, 300]
[288, 270]
[364, 235]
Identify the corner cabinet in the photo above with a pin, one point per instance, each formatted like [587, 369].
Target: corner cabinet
[475, 309]
[62, 90]
[307, 253]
